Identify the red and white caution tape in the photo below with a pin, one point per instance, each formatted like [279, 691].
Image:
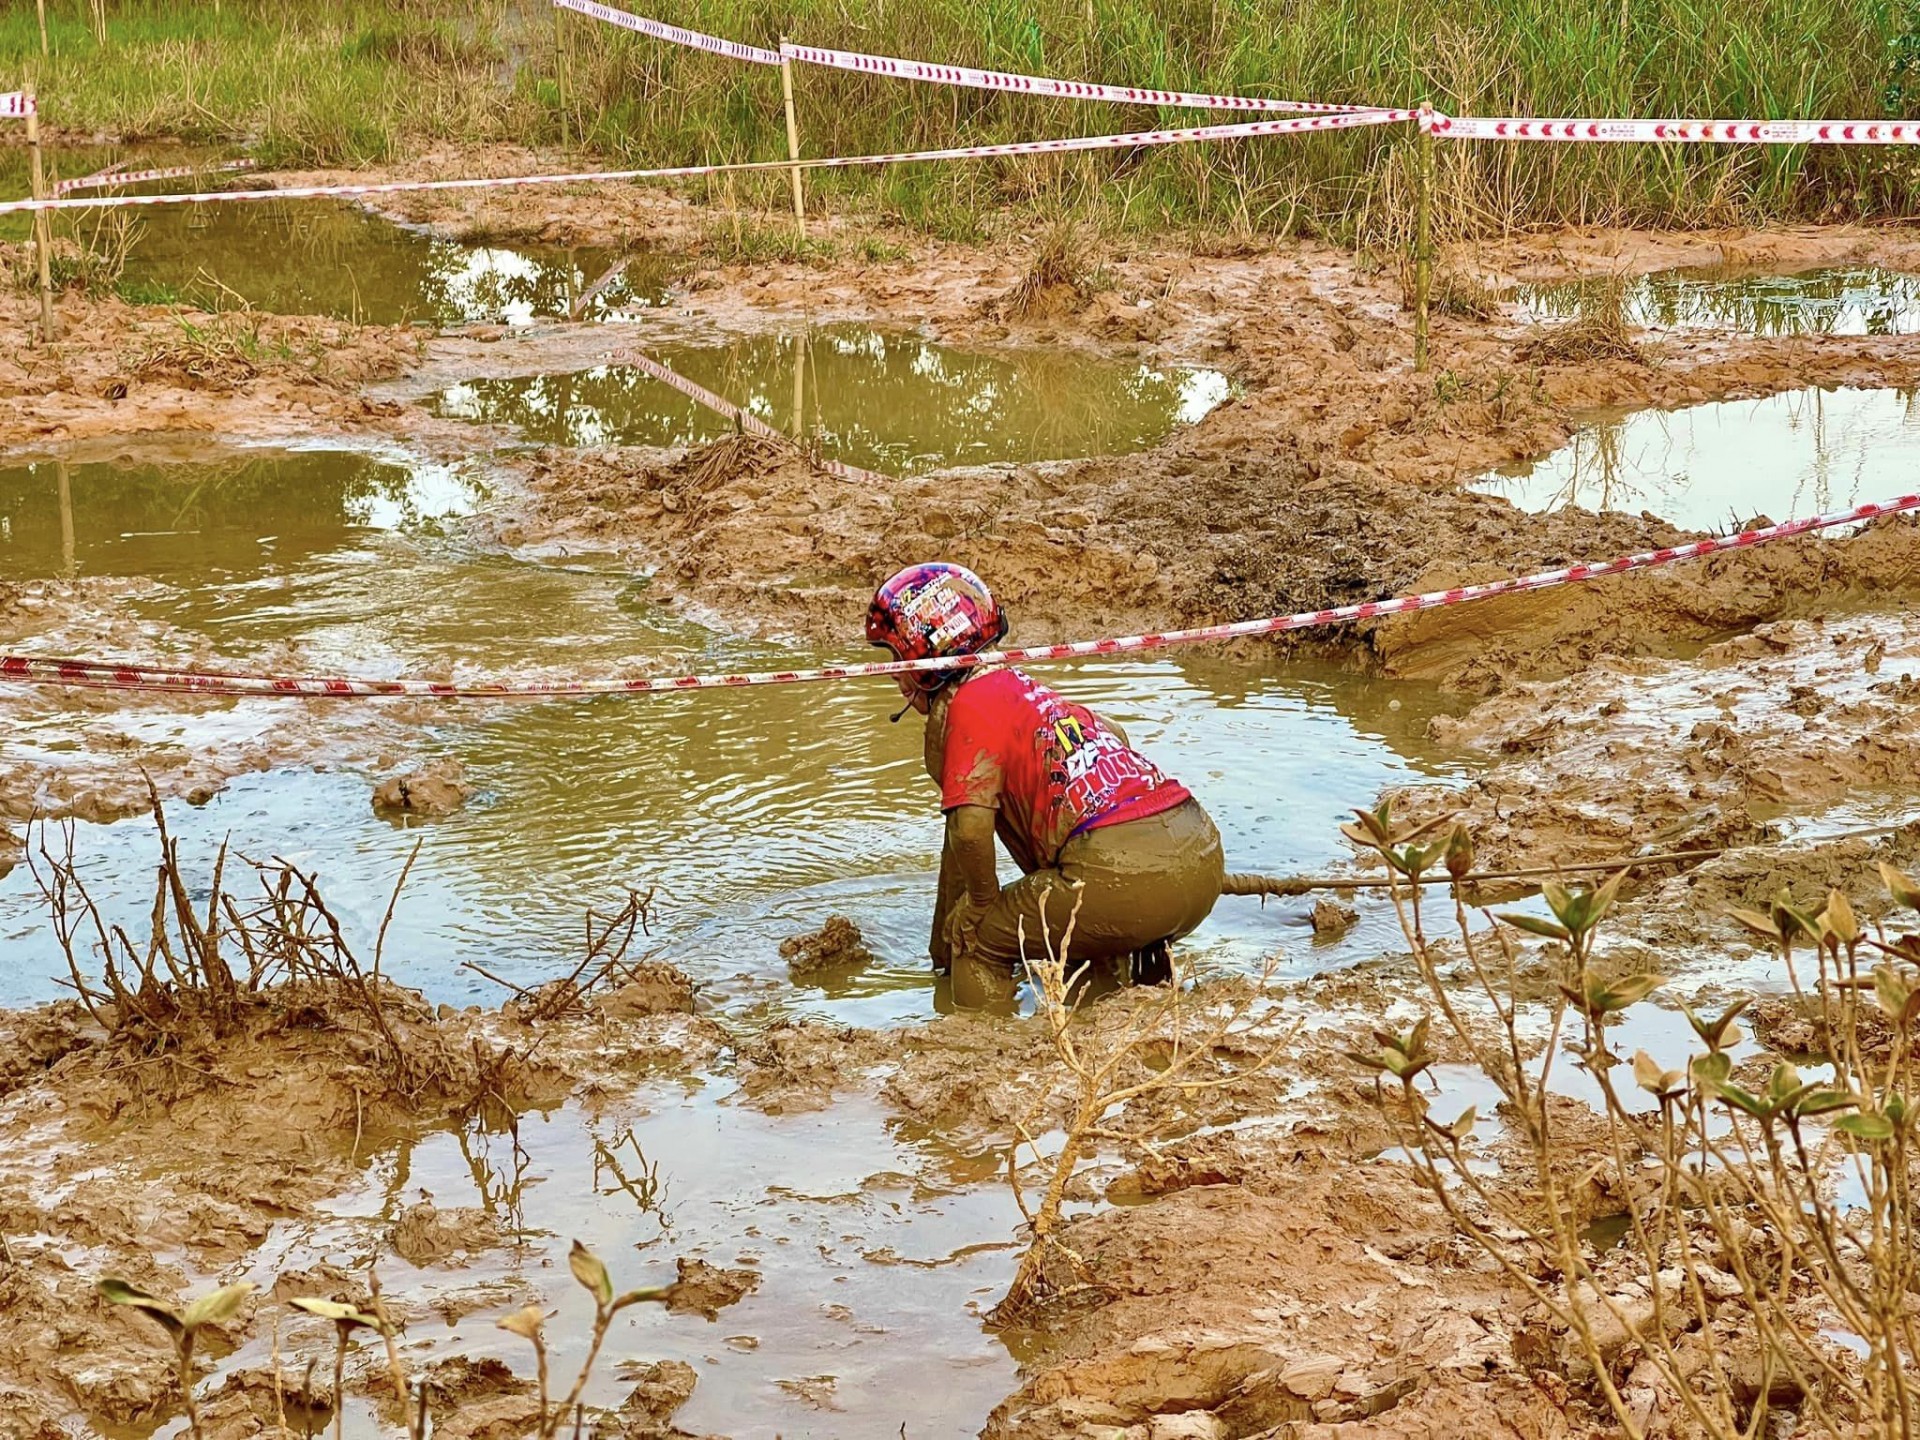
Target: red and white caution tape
[87, 182]
[672, 34]
[16, 105]
[1138, 139]
[118, 175]
[1653, 132]
[1042, 85]
[110, 675]
[720, 405]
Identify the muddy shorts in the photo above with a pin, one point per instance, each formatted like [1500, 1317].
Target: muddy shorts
[1142, 881]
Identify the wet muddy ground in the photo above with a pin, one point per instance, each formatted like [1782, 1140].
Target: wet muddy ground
[382, 447]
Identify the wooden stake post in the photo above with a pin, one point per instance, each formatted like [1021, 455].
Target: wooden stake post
[42, 223]
[793, 138]
[1423, 240]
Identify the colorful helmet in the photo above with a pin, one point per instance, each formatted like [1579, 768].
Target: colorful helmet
[935, 609]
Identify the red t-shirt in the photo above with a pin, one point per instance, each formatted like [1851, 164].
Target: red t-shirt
[1047, 765]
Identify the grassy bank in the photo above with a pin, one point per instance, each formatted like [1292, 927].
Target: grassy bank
[358, 82]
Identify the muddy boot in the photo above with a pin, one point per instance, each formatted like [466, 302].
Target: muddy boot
[1152, 964]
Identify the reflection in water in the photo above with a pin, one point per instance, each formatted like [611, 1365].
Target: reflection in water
[1715, 466]
[827, 1208]
[325, 257]
[895, 402]
[1859, 300]
[223, 520]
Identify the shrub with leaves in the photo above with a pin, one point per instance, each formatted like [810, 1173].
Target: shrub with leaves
[1770, 1258]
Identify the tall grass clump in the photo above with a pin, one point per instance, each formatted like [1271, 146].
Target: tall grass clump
[355, 82]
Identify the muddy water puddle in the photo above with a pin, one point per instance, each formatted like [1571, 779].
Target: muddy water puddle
[888, 401]
[1851, 300]
[1716, 466]
[320, 257]
[876, 1256]
[756, 813]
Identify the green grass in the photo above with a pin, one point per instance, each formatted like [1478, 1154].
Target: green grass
[358, 82]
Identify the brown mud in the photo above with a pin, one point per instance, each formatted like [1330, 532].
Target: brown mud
[1247, 1266]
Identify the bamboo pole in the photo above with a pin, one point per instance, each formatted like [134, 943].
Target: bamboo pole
[799, 388]
[560, 78]
[42, 225]
[793, 138]
[1423, 240]
[41, 6]
[68, 566]
[1284, 886]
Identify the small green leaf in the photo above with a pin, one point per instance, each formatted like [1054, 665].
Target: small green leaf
[1761, 925]
[1866, 1126]
[1600, 901]
[1371, 1062]
[1896, 1108]
[217, 1308]
[1406, 1067]
[1791, 920]
[1627, 990]
[1743, 1100]
[1376, 826]
[526, 1323]
[1900, 886]
[1463, 1123]
[1784, 1081]
[119, 1292]
[1417, 1037]
[350, 1316]
[1712, 1070]
[1648, 1075]
[1714, 1032]
[1570, 909]
[1822, 1102]
[1534, 926]
[1839, 920]
[1891, 992]
[591, 1274]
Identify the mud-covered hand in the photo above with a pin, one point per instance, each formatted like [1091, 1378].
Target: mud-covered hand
[963, 922]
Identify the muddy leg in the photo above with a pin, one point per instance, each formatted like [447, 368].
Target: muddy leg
[983, 984]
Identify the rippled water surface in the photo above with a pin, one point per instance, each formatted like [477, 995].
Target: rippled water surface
[756, 813]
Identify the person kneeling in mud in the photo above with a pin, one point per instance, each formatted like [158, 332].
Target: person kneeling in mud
[1073, 802]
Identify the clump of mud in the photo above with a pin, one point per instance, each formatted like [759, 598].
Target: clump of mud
[427, 1235]
[837, 945]
[704, 1289]
[1331, 919]
[432, 792]
[653, 987]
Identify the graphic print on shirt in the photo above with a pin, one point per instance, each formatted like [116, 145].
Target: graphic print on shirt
[1087, 763]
